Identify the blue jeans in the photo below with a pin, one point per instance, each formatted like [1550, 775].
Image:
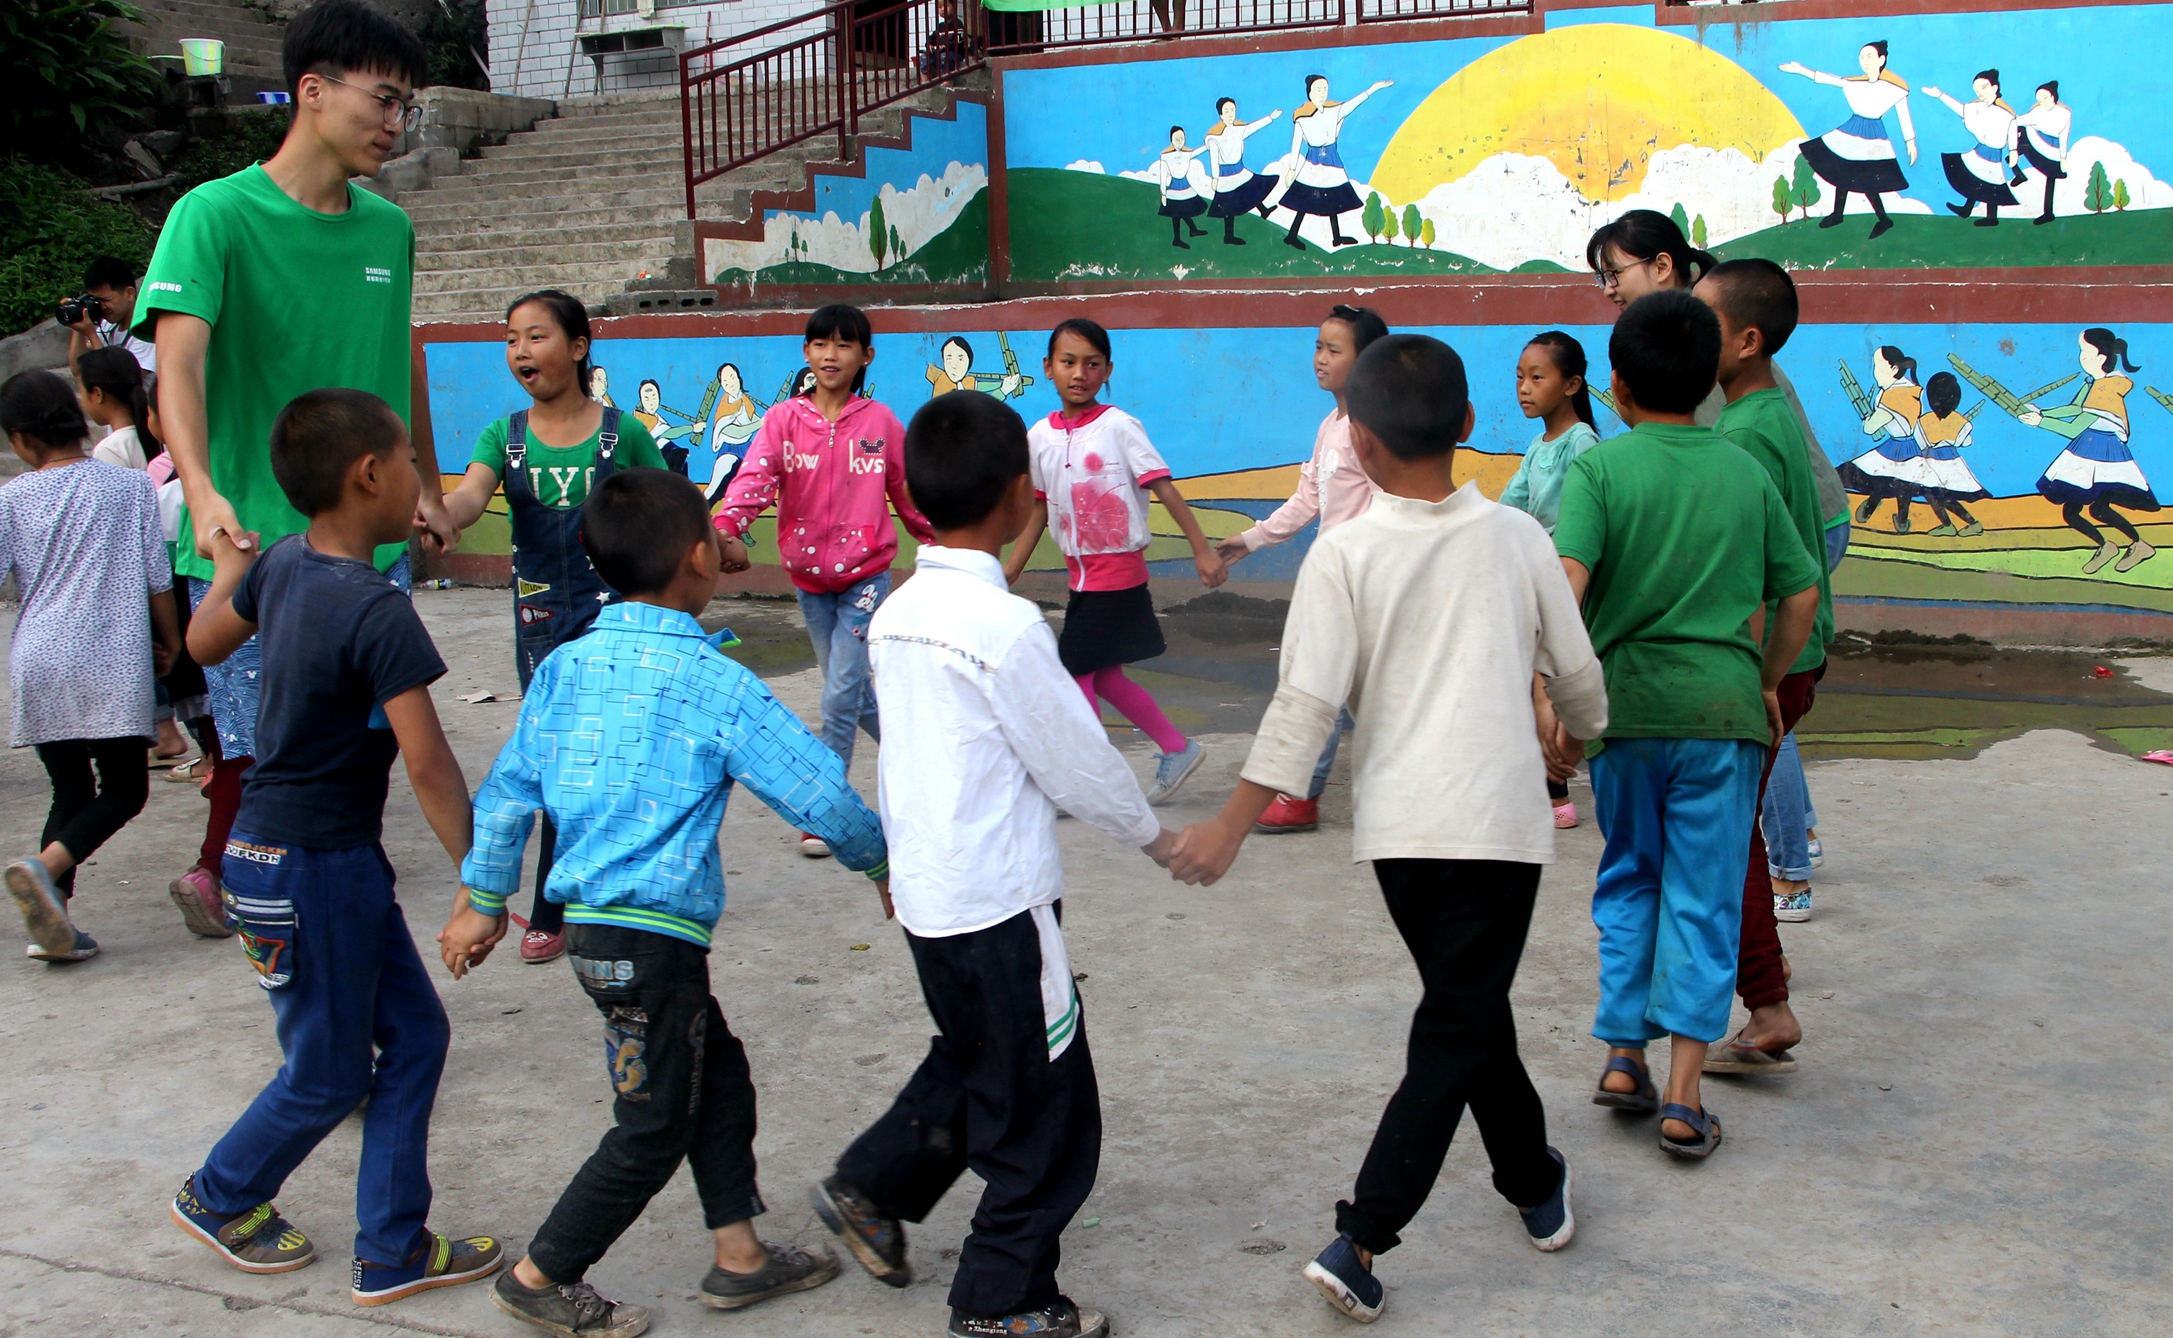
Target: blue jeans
[233, 686]
[1326, 764]
[1669, 902]
[332, 948]
[838, 625]
[1787, 815]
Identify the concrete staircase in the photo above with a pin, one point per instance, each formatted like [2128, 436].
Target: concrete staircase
[590, 201]
[251, 35]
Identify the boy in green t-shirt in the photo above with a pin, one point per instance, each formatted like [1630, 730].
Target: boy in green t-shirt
[1672, 539]
[1756, 303]
[278, 280]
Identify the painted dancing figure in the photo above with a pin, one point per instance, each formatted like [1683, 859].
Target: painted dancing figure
[2042, 135]
[1185, 187]
[1942, 434]
[1857, 156]
[1980, 175]
[1895, 467]
[2097, 471]
[1237, 189]
[1318, 184]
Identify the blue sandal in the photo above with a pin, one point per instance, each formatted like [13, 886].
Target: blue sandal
[1643, 1101]
[1704, 1121]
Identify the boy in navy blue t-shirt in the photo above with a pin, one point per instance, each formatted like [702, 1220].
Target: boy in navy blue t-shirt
[346, 686]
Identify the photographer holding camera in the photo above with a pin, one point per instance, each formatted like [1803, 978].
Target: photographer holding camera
[101, 316]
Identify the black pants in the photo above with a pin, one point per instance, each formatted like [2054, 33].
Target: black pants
[683, 1094]
[88, 810]
[544, 913]
[989, 1097]
[1464, 921]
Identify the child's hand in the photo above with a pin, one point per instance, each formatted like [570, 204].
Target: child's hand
[1204, 852]
[732, 554]
[228, 550]
[1773, 716]
[1161, 847]
[468, 936]
[1232, 551]
[882, 889]
[163, 653]
[1213, 571]
[1563, 752]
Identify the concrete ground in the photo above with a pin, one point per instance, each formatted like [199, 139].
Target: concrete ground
[1975, 1144]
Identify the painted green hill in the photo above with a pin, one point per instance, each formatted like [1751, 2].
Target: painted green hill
[958, 254]
[1942, 241]
[1080, 225]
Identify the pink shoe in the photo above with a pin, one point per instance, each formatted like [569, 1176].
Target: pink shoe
[202, 904]
[538, 947]
[1565, 815]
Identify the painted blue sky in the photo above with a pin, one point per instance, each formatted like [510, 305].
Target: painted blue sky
[936, 145]
[1119, 115]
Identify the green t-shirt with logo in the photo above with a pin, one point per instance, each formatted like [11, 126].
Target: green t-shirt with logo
[1685, 536]
[562, 477]
[1763, 425]
[297, 301]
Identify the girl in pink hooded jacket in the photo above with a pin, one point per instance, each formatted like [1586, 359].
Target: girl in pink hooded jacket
[834, 464]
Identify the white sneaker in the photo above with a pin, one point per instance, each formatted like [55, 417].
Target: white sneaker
[813, 846]
[1174, 769]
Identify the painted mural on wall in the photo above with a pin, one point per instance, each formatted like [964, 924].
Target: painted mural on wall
[2014, 464]
[1891, 142]
[919, 215]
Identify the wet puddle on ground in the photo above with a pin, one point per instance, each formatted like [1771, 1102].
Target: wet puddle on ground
[1881, 698]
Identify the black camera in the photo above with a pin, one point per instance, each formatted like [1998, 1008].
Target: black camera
[76, 309]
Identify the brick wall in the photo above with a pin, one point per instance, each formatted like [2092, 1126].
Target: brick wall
[532, 43]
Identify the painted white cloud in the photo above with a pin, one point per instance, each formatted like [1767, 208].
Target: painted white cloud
[1085, 165]
[2144, 190]
[918, 214]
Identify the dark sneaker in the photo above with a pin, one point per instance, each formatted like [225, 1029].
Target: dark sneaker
[1349, 1285]
[258, 1241]
[442, 1261]
[788, 1270]
[878, 1242]
[573, 1310]
[82, 950]
[1059, 1319]
[45, 911]
[1551, 1224]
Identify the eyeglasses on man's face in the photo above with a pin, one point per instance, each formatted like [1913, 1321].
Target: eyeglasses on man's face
[400, 112]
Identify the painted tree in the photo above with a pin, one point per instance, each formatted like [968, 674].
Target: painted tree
[1697, 232]
[1388, 225]
[1681, 217]
[1412, 224]
[1426, 234]
[878, 238]
[897, 245]
[2098, 197]
[1804, 187]
[2121, 198]
[1373, 217]
[1784, 200]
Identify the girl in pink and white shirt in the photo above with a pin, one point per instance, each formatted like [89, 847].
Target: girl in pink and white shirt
[1333, 489]
[1093, 470]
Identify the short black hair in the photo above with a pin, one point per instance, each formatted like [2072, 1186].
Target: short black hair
[637, 526]
[1366, 323]
[43, 407]
[1942, 394]
[1080, 327]
[1409, 390]
[320, 434]
[1666, 348]
[109, 272]
[1756, 293]
[962, 450]
[844, 323]
[336, 37]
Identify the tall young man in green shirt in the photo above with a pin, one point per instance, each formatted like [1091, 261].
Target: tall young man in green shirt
[280, 279]
[1756, 303]
[1673, 539]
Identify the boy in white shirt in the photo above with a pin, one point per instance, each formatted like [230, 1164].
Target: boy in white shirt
[1430, 614]
[987, 735]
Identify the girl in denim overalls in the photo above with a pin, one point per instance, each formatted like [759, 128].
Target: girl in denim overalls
[555, 591]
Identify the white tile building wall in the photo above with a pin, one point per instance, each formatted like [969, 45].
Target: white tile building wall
[532, 50]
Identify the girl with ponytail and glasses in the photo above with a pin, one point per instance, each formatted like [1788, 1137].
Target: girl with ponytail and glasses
[81, 538]
[549, 456]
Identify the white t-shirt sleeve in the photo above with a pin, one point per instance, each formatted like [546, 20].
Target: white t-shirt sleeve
[1140, 456]
[1057, 738]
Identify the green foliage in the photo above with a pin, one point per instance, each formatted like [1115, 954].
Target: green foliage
[2099, 196]
[1783, 200]
[1374, 218]
[1697, 232]
[1412, 224]
[878, 237]
[245, 137]
[49, 230]
[897, 244]
[2121, 198]
[63, 68]
[1804, 187]
[1388, 224]
[454, 36]
[1681, 217]
[1426, 234]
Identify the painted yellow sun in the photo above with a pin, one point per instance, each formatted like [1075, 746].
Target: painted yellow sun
[1597, 100]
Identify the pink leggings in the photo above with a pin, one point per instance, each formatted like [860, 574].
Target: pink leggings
[1133, 702]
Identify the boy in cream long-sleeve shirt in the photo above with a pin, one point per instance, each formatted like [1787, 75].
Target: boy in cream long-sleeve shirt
[1432, 612]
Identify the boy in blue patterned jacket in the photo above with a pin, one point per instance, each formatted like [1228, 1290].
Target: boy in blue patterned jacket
[630, 738]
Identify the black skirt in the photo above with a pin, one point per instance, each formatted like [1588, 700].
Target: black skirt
[1191, 208]
[1326, 203]
[2052, 170]
[1972, 187]
[1865, 484]
[1108, 627]
[1231, 203]
[1865, 176]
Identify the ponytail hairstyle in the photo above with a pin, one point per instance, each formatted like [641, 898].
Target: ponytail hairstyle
[1643, 234]
[1942, 394]
[1090, 331]
[2052, 87]
[572, 319]
[1880, 47]
[43, 407]
[114, 371]
[2110, 347]
[1569, 360]
[1901, 362]
[846, 324]
[1366, 324]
